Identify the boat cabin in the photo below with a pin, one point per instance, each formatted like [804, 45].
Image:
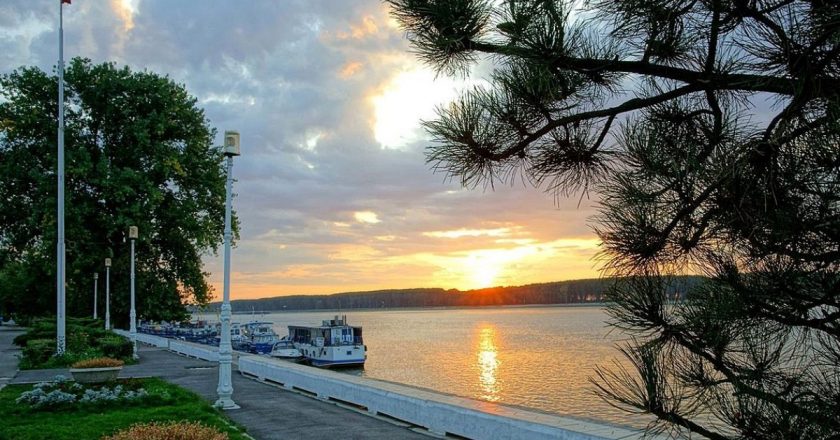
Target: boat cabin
[333, 332]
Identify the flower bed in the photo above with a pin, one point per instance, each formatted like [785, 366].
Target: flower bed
[62, 393]
[169, 431]
[103, 417]
[96, 370]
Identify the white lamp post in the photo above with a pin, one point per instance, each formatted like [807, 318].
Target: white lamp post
[132, 234]
[95, 283]
[60, 339]
[107, 294]
[225, 388]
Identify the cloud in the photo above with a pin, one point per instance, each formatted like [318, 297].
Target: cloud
[332, 188]
[366, 217]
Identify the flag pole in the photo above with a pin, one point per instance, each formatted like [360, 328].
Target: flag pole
[60, 249]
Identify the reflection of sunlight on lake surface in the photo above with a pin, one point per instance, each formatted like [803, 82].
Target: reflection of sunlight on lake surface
[535, 357]
[488, 363]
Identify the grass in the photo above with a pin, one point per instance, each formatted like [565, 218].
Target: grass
[166, 402]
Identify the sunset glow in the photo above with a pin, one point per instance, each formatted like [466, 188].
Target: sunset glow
[332, 191]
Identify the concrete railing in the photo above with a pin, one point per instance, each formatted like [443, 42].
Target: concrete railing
[439, 413]
[157, 341]
[194, 350]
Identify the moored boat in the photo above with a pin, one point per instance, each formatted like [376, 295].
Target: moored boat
[332, 344]
[261, 335]
[285, 349]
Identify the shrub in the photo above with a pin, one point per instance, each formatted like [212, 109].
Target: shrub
[103, 362]
[38, 351]
[115, 346]
[62, 393]
[169, 431]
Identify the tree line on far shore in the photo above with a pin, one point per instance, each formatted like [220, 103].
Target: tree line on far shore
[561, 292]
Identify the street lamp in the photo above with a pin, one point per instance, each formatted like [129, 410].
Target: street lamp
[225, 388]
[132, 234]
[107, 294]
[95, 283]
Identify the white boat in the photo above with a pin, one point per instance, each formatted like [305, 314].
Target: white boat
[333, 343]
[285, 349]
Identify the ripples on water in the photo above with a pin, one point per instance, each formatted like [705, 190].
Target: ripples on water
[535, 357]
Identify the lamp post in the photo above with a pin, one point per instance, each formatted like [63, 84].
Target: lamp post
[132, 316]
[107, 294]
[225, 388]
[61, 297]
[95, 285]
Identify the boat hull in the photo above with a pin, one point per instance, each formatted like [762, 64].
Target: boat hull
[333, 356]
[337, 364]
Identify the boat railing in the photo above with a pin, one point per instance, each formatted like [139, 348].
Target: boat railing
[340, 343]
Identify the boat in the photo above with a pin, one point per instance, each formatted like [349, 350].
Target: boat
[285, 349]
[238, 340]
[261, 336]
[332, 344]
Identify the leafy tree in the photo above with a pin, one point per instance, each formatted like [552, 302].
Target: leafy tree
[137, 153]
[708, 131]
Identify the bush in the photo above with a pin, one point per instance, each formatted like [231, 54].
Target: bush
[61, 393]
[35, 333]
[38, 351]
[169, 431]
[86, 339]
[103, 362]
[116, 347]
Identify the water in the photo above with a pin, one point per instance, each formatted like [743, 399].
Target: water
[534, 357]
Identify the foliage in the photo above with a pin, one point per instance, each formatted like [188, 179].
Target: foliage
[169, 431]
[103, 362]
[137, 153]
[709, 133]
[61, 393]
[116, 347]
[165, 402]
[86, 339]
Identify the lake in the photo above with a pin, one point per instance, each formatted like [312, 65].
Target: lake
[534, 357]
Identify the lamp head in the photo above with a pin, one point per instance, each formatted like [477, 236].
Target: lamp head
[132, 232]
[107, 262]
[231, 147]
[96, 276]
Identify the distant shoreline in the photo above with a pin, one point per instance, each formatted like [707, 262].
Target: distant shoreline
[391, 309]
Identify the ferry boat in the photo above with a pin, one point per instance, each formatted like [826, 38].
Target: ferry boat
[334, 343]
[261, 335]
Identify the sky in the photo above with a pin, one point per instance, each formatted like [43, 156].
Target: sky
[332, 189]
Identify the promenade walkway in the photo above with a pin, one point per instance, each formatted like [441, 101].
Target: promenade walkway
[267, 412]
[8, 353]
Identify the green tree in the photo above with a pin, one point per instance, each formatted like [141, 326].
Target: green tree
[708, 132]
[137, 153]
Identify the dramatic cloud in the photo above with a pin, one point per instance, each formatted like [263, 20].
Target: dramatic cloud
[332, 188]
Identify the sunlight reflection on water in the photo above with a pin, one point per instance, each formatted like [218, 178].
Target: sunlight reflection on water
[488, 363]
[535, 357]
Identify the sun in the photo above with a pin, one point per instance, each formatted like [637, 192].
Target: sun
[484, 275]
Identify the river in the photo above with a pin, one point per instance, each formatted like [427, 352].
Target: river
[534, 357]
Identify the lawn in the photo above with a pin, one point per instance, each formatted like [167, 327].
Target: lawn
[92, 421]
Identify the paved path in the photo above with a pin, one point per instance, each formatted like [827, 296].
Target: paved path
[8, 353]
[267, 412]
